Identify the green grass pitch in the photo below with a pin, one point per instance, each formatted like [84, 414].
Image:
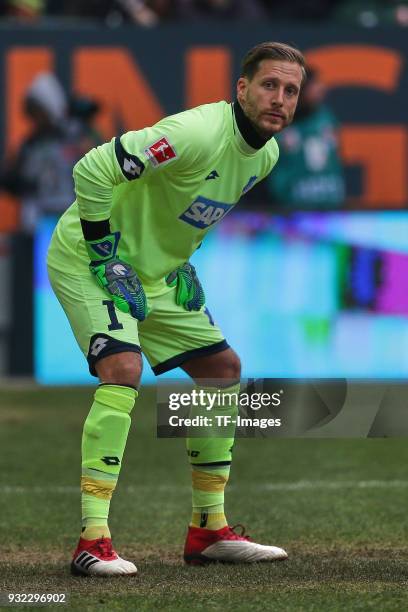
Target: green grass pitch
[339, 507]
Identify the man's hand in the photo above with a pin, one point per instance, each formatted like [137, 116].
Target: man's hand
[117, 277]
[189, 292]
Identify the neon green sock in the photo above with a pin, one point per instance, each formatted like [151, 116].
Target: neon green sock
[210, 459]
[103, 443]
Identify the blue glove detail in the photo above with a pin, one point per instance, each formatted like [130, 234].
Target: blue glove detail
[117, 277]
[189, 292]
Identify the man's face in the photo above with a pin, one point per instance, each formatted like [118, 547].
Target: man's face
[269, 99]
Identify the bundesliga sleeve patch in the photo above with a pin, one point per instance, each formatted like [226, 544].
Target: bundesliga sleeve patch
[161, 152]
[131, 166]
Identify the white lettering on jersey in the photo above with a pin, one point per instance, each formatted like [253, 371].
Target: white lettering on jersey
[204, 212]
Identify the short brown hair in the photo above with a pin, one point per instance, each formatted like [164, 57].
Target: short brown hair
[271, 50]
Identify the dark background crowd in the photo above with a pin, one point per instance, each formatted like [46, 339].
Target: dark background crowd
[62, 128]
[149, 13]
[60, 125]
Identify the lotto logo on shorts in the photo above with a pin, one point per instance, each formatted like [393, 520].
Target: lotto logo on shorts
[98, 345]
[161, 152]
[204, 212]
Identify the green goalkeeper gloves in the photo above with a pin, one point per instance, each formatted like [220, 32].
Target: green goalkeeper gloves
[189, 292]
[117, 277]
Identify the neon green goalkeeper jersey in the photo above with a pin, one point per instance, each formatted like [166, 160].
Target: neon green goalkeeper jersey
[163, 188]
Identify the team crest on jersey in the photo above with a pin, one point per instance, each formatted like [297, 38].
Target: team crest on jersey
[203, 213]
[249, 184]
[161, 152]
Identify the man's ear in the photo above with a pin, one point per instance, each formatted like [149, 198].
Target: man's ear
[242, 85]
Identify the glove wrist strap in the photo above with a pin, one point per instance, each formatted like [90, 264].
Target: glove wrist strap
[104, 249]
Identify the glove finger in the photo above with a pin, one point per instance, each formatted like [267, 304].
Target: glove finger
[135, 289]
[182, 292]
[120, 303]
[197, 300]
[137, 299]
[171, 279]
[100, 278]
[194, 304]
[136, 312]
[138, 309]
[123, 297]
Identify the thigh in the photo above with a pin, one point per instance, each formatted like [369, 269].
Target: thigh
[172, 335]
[99, 328]
[223, 368]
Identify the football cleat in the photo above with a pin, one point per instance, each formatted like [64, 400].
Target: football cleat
[224, 545]
[97, 558]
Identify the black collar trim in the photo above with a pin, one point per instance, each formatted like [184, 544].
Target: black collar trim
[248, 132]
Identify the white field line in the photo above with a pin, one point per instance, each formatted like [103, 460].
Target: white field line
[301, 485]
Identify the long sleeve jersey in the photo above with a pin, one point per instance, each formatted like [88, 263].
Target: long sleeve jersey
[163, 188]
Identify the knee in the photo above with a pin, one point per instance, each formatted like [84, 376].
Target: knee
[230, 366]
[120, 369]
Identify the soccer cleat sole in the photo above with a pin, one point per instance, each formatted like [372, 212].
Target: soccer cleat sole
[198, 560]
[203, 560]
[75, 571]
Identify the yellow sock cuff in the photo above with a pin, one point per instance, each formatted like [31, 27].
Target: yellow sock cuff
[99, 488]
[207, 481]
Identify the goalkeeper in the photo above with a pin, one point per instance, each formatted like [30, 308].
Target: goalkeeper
[119, 264]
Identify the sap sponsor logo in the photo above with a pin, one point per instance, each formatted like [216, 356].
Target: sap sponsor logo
[204, 212]
[161, 152]
[249, 184]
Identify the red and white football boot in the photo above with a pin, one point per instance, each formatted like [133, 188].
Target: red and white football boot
[97, 558]
[206, 546]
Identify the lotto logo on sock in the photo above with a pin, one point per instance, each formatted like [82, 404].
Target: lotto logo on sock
[111, 460]
[161, 152]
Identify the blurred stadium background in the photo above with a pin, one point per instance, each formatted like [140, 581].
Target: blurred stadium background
[313, 287]
[325, 278]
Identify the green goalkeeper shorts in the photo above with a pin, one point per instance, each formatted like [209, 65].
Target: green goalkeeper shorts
[168, 337]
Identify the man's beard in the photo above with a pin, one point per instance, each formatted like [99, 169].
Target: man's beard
[249, 110]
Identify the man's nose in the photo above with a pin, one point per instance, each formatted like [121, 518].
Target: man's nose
[278, 97]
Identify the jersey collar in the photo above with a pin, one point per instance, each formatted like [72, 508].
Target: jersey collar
[246, 137]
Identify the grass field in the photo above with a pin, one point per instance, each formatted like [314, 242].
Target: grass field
[339, 507]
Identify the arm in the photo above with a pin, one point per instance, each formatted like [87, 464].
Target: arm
[95, 176]
[177, 145]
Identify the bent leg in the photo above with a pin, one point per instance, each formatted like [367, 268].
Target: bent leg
[109, 340]
[104, 438]
[210, 456]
